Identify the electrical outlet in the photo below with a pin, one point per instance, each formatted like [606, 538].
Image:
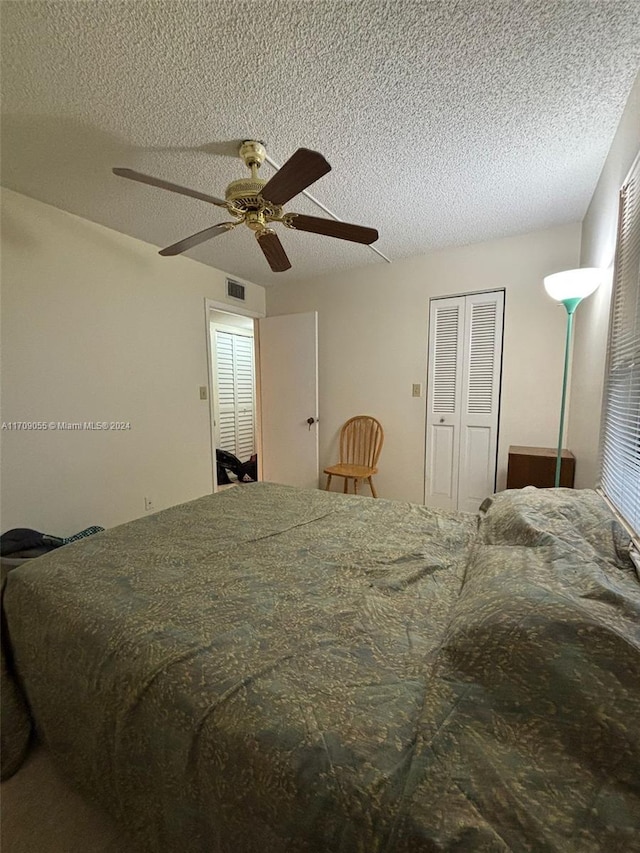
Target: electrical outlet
[203, 392]
[148, 505]
[416, 389]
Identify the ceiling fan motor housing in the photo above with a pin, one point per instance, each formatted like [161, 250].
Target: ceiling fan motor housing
[244, 195]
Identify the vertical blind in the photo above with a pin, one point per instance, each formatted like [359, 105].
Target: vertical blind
[620, 449]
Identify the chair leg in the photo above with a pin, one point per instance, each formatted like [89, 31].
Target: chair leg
[373, 488]
[328, 482]
[346, 485]
[355, 485]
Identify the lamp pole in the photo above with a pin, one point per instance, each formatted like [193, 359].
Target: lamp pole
[570, 305]
[570, 288]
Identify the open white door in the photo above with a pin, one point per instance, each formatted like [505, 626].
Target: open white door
[288, 352]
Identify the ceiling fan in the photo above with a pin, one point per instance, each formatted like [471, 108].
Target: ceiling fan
[258, 203]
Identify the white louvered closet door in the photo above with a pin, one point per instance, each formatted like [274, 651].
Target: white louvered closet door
[235, 403]
[446, 331]
[480, 398]
[465, 360]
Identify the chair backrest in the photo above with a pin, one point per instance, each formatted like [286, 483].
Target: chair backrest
[361, 441]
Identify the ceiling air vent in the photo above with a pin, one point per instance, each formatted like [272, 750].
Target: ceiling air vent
[235, 289]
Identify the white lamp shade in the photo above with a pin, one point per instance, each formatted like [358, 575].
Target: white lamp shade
[573, 284]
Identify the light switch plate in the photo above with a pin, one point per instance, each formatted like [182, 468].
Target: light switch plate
[416, 389]
[203, 392]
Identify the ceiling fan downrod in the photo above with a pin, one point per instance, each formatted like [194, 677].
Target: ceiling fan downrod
[253, 153]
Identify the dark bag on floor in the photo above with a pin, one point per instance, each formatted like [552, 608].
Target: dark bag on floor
[244, 471]
[22, 542]
[226, 461]
[249, 469]
[22, 539]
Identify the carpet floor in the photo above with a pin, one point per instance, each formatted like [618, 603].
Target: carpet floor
[42, 814]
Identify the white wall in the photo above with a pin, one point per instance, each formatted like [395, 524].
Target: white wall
[599, 230]
[373, 344]
[96, 326]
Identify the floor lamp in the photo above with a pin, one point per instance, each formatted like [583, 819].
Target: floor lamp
[570, 288]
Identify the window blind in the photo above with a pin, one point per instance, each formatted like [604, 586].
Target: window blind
[620, 448]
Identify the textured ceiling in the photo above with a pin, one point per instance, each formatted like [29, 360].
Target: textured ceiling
[446, 122]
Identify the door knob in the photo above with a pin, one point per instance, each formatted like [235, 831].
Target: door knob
[441, 420]
[311, 422]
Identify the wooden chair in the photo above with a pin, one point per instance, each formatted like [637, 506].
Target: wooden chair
[361, 441]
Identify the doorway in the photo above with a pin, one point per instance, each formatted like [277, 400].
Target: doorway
[463, 399]
[285, 391]
[234, 387]
[234, 382]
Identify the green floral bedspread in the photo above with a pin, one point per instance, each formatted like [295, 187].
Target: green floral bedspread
[275, 670]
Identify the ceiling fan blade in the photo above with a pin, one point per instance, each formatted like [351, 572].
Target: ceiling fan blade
[331, 228]
[300, 171]
[195, 239]
[273, 250]
[167, 185]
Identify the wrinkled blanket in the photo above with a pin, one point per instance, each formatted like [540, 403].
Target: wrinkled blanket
[271, 669]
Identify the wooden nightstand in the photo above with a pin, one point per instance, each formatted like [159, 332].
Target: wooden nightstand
[536, 466]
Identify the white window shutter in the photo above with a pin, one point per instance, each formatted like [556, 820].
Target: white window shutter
[226, 392]
[244, 387]
[235, 419]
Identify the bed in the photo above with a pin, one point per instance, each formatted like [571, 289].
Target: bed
[273, 669]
